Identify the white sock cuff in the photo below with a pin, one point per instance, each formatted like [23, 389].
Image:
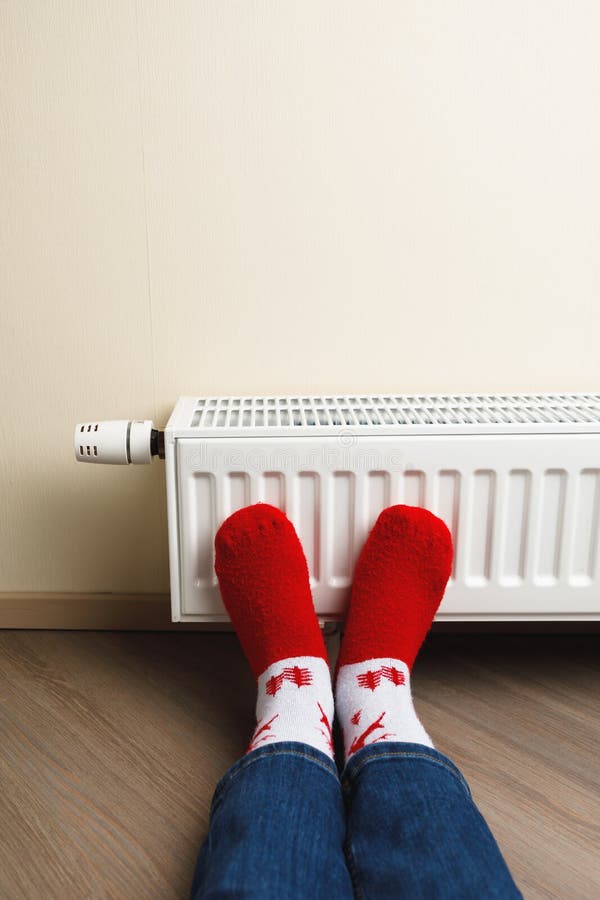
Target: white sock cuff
[295, 703]
[374, 703]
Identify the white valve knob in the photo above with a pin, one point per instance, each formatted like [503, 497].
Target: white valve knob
[119, 442]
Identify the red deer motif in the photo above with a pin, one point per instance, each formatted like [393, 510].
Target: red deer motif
[260, 729]
[273, 684]
[393, 675]
[372, 678]
[327, 732]
[361, 740]
[369, 679]
[299, 677]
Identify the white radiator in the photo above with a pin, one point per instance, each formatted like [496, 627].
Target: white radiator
[515, 478]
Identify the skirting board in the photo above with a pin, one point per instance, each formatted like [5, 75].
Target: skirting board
[152, 612]
[102, 612]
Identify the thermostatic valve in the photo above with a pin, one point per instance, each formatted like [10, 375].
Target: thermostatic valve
[118, 442]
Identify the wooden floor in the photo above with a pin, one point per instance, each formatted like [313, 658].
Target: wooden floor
[112, 743]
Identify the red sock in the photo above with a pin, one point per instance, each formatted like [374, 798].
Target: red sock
[399, 582]
[265, 587]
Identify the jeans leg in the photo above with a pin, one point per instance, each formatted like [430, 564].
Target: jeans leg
[414, 831]
[276, 830]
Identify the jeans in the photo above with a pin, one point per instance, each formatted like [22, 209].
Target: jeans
[402, 823]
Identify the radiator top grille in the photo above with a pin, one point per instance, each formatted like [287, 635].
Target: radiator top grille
[320, 415]
[479, 410]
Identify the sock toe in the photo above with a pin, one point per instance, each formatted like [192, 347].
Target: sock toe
[398, 585]
[265, 586]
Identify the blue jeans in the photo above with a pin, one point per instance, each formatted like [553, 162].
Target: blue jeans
[402, 823]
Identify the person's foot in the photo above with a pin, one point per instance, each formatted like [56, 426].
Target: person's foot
[265, 587]
[398, 585]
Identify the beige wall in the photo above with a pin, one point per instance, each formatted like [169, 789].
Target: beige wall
[248, 197]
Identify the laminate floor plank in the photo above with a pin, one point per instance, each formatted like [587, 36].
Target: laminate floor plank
[112, 744]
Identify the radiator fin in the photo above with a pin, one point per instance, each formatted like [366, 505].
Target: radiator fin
[199, 515]
[447, 505]
[584, 566]
[414, 488]
[481, 521]
[341, 528]
[378, 495]
[237, 491]
[550, 528]
[515, 541]
[273, 490]
[307, 503]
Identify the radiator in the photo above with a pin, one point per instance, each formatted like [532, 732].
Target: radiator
[515, 478]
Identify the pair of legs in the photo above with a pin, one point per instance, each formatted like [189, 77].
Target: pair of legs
[399, 821]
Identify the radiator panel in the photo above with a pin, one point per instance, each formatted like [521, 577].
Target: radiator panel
[523, 509]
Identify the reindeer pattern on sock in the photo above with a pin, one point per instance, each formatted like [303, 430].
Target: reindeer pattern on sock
[377, 705]
[295, 704]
